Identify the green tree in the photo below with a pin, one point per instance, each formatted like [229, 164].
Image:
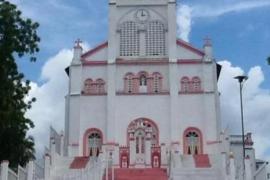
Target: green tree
[268, 60]
[18, 38]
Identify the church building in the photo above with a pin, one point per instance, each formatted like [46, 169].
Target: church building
[145, 105]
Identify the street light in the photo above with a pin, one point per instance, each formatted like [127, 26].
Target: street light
[241, 80]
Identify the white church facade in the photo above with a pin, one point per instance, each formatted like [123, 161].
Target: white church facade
[145, 105]
[142, 90]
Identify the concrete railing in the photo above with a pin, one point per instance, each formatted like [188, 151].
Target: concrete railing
[22, 173]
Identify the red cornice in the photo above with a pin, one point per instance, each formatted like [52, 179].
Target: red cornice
[147, 93]
[141, 61]
[93, 63]
[189, 61]
[94, 50]
[188, 46]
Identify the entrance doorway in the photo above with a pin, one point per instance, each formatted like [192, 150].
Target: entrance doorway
[143, 133]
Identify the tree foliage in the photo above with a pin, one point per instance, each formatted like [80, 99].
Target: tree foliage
[18, 37]
[268, 60]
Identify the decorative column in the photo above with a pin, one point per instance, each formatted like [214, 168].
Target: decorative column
[232, 167]
[30, 170]
[148, 147]
[4, 170]
[47, 167]
[132, 149]
[53, 152]
[248, 169]
[116, 156]
[164, 158]
[62, 144]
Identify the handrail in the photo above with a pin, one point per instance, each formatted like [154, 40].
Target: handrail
[260, 169]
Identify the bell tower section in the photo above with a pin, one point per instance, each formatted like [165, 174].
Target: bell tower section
[142, 29]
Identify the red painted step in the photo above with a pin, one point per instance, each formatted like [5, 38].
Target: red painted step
[202, 161]
[138, 174]
[79, 162]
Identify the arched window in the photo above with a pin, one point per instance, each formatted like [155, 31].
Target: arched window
[155, 39]
[196, 84]
[143, 81]
[92, 142]
[129, 83]
[129, 39]
[185, 84]
[88, 86]
[100, 84]
[157, 82]
[192, 141]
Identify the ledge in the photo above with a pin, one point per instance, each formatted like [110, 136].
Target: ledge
[147, 93]
[95, 94]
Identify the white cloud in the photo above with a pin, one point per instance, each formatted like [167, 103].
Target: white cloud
[184, 22]
[223, 8]
[211, 9]
[50, 105]
[256, 103]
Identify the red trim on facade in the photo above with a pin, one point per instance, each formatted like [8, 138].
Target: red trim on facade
[124, 156]
[85, 139]
[147, 93]
[93, 63]
[175, 142]
[155, 152]
[141, 61]
[198, 131]
[189, 61]
[188, 46]
[151, 121]
[74, 144]
[197, 92]
[111, 143]
[94, 50]
[213, 142]
[202, 161]
[94, 94]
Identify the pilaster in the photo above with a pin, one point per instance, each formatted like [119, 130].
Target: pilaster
[112, 37]
[111, 124]
[172, 30]
[173, 118]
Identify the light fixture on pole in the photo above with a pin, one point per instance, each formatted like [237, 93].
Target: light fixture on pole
[241, 80]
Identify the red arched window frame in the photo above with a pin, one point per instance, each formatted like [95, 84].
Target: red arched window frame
[157, 82]
[186, 143]
[88, 86]
[100, 86]
[129, 83]
[87, 133]
[185, 84]
[143, 80]
[196, 84]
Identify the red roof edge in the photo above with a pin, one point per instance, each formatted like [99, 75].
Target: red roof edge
[186, 45]
[79, 162]
[94, 50]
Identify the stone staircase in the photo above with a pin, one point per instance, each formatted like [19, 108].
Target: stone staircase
[138, 174]
[197, 167]
[196, 174]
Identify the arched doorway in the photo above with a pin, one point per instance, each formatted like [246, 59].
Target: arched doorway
[142, 135]
[193, 144]
[92, 142]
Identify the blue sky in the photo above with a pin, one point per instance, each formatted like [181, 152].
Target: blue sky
[240, 35]
[239, 29]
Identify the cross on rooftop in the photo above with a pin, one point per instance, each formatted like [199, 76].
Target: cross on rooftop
[207, 41]
[78, 42]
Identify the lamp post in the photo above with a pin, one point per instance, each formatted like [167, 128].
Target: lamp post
[241, 80]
